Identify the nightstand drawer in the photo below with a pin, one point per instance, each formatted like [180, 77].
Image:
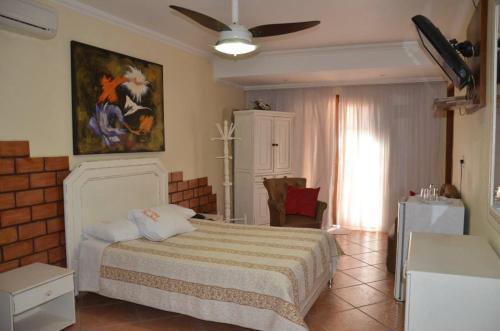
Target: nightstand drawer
[43, 293]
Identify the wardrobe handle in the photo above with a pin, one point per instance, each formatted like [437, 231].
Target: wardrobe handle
[275, 145]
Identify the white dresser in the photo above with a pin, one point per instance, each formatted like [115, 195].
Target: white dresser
[453, 283]
[37, 297]
[264, 151]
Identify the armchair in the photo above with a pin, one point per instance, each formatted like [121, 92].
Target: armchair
[277, 189]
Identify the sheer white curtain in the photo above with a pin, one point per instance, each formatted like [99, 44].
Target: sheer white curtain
[391, 141]
[314, 140]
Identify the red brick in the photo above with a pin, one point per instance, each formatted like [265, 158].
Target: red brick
[43, 179]
[172, 187]
[176, 176]
[29, 198]
[53, 194]
[31, 230]
[46, 242]
[18, 249]
[38, 257]
[182, 186]
[203, 181]
[207, 190]
[213, 208]
[196, 192]
[8, 235]
[29, 164]
[14, 183]
[62, 238]
[15, 216]
[194, 202]
[204, 200]
[14, 148]
[184, 204]
[193, 183]
[212, 198]
[7, 201]
[7, 166]
[55, 225]
[187, 194]
[60, 208]
[57, 254]
[176, 197]
[56, 163]
[61, 263]
[9, 265]
[60, 176]
[46, 210]
[169, 177]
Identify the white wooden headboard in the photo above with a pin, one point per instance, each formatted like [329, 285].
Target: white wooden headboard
[106, 190]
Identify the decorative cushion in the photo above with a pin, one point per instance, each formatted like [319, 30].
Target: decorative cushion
[160, 223]
[120, 230]
[301, 201]
[188, 213]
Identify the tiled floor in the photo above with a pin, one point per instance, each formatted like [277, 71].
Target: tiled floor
[361, 299]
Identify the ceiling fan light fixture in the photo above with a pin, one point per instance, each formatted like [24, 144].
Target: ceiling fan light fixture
[235, 46]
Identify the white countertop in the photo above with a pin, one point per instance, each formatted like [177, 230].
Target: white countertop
[452, 254]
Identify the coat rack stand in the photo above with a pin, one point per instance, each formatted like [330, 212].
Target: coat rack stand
[226, 135]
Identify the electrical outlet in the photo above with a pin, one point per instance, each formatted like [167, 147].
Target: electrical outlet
[462, 162]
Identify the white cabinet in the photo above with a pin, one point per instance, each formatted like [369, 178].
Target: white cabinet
[453, 283]
[264, 151]
[37, 297]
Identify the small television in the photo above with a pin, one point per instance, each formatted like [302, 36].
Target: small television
[443, 52]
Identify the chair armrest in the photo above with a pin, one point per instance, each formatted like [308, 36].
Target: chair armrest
[277, 213]
[320, 209]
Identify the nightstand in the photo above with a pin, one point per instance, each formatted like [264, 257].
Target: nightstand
[37, 297]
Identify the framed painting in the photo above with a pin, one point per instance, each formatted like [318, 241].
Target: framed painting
[117, 102]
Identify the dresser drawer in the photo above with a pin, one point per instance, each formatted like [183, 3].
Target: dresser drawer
[43, 293]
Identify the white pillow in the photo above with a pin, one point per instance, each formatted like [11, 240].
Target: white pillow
[120, 230]
[160, 223]
[188, 213]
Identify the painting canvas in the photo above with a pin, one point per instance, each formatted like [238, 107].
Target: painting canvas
[117, 102]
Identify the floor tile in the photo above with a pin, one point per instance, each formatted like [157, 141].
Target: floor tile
[352, 248]
[341, 280]
[361, 295]
[328, 302]
[376, 245]
[390, 313]
[367, 274]
[350, 320]
[371, 258]
[385, 286]
[348, 262]
[381, 266]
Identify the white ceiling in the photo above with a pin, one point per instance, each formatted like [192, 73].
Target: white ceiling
[343, 22]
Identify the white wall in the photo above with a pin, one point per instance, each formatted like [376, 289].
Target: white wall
[35, 94]
[473, 141]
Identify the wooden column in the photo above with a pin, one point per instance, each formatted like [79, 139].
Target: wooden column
[336, 163]
[449, 139]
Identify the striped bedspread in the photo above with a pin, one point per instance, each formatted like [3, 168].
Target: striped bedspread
[253, 276]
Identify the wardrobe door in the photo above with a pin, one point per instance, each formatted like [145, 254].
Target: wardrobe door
[282, 136]
[263, 145]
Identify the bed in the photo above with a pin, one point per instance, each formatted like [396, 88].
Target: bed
[258, 277]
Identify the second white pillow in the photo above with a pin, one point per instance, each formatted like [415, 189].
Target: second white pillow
[160, 223]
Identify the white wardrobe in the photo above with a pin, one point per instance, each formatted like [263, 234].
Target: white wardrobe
[264, 151]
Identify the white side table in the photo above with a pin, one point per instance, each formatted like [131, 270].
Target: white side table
[37, 297]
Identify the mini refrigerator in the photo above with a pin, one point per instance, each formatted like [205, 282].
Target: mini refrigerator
[416, 215]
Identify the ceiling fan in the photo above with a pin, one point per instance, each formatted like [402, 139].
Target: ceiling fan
[235, 39]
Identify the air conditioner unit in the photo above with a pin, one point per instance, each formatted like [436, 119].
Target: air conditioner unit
[29, 18]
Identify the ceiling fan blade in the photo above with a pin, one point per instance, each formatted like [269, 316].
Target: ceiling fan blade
[202, 19]
[269, 30]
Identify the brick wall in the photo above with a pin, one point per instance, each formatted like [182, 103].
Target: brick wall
[194, 193]
[31, 207]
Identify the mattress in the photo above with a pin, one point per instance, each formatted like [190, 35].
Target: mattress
[259, 277]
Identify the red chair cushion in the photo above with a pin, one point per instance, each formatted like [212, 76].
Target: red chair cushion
[301, 201]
